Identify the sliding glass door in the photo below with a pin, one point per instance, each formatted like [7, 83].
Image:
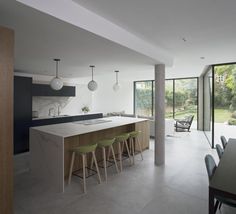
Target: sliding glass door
[224, 101]
[186, 98]
[143, 98]
[219, 92]
[208, 124]
[181, 98]
[169, 98]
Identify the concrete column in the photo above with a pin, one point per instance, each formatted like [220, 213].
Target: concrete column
[159, 114]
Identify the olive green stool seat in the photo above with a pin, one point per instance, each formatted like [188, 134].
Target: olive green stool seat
[134, 139]
[83, 151]
[122, 140]
[103, 144]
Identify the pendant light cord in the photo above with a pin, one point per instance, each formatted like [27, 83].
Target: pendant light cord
[117, 76]
[57, 69]
[57, 61]
[92, 67]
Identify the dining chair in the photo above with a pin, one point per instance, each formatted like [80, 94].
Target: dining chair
[219, 150]
[223, 141]
[211, 167]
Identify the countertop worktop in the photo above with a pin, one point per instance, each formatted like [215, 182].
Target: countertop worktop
[50, 145]
[62, 116]
[82, 127]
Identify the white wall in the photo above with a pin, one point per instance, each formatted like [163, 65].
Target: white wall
[106, 100]
[68, 105]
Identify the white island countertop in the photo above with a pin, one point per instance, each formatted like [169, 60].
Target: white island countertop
[86, 126]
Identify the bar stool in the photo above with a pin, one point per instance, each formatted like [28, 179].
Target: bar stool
[121, 140]
[103, 144]
[83, 151]
[134, 138]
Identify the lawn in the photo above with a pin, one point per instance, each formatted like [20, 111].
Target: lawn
[222, 115]
[181, 113]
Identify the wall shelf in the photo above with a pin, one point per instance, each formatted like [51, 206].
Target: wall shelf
[45, 90]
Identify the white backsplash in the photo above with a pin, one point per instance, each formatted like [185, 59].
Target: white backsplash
[68, 105]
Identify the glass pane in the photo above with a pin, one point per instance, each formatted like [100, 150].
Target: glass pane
[186, 98]
[143, 98]
[225, 101]
[153, 98]
[169, 101]
[208, 105]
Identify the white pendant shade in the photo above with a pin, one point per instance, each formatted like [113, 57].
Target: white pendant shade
[92, 85]
[56, 83]
[116, 86]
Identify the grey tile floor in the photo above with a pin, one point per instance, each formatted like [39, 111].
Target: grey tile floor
[178, 187]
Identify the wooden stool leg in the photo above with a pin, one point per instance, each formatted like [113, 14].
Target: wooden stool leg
[120, 155]
[84, 176]
[126, 145]
[132, 146]
[109, 153]
[86, 165]
[96, 164]
[91, 164]
[71, 167]
[104, 162]
[122, 147]
[114, 158]
[140, 148]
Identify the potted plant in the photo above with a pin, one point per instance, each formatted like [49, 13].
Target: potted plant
[85, 109]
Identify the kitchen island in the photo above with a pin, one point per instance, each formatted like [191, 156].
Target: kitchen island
[50, 145]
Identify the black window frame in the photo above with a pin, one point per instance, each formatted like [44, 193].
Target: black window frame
[173, 79]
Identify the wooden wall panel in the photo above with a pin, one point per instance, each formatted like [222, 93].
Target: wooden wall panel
[6, 120]
[144, 138]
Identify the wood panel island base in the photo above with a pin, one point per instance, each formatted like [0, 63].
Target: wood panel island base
[50, 145]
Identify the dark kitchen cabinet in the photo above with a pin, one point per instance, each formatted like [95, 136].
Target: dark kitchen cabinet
[22, 113]
[45, 90]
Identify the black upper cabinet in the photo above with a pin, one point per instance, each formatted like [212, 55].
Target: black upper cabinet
[22, 113]
[45, 90]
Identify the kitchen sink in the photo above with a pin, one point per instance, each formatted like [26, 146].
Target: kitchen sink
[61, 115]
[92, 121]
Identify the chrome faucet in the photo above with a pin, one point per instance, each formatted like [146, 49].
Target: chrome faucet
[51, 112]
[58, 110]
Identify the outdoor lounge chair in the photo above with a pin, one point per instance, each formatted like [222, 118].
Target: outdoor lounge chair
[184, 124]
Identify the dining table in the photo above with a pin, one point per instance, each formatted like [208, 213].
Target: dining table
[223, 182]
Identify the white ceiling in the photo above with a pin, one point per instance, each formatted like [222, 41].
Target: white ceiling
[40, 38]
[206, 25]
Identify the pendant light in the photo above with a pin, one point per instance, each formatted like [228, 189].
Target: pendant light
[92, 85]
[116, 86]
[56, 83]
